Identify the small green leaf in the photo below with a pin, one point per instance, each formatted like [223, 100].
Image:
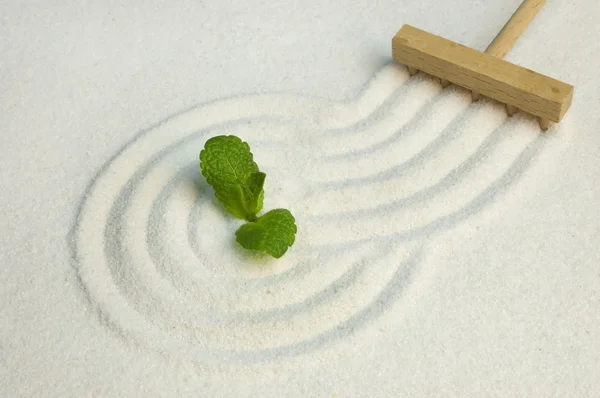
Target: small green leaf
[274, 232]
[228, 165]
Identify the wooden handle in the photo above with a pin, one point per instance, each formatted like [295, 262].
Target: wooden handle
[515, 26]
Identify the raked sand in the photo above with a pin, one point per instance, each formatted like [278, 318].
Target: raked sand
[443, 248]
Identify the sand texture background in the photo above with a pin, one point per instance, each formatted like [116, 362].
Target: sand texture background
[443, 248]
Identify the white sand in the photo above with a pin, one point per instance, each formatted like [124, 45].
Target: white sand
[443, 248]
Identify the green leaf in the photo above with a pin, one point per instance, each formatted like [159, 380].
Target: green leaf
[274, 232]
[228, 166]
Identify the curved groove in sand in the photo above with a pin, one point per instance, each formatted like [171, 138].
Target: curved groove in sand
[145, 269]
[418, 181]
[475, 205]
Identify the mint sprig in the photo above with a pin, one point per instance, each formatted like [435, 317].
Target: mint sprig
[228, 166]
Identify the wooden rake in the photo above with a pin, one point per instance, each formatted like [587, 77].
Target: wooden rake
[485, 73]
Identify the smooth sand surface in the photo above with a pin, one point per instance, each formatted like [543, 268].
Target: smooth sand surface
[443, 248]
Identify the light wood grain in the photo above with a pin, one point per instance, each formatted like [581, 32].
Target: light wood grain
[511, 31]
[515, 26]
[544, 123]
[510, 110]
[483, 73]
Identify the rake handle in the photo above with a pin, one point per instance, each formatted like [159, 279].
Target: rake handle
[515, 26]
